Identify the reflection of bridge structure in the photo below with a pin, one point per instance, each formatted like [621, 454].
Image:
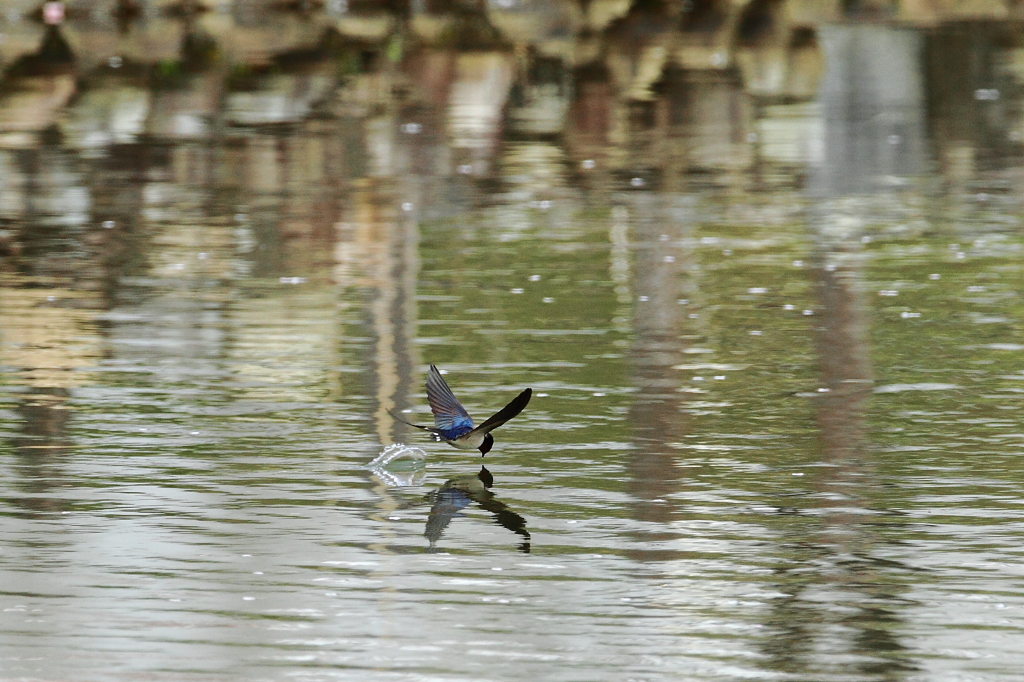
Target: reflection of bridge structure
[658, 88]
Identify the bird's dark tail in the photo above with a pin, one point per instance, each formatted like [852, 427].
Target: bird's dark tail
[416, 426]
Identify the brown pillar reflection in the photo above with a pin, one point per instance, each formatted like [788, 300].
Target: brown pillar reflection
[116, 186]
[656, 414]
[840, 597]
[40, 447]
[845, 368]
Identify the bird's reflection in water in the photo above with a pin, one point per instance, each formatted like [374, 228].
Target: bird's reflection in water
[458, 493]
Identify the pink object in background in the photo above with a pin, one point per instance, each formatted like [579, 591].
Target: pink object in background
[53, 12]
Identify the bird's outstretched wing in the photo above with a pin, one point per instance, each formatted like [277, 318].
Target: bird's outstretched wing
[505, 413]
[448, 412]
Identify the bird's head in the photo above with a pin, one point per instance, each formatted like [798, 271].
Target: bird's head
[485, 447]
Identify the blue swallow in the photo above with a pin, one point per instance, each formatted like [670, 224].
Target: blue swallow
[453, 425]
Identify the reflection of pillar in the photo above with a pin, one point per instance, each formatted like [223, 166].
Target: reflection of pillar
[476, 105]
[588, 123]
[972, 99]
[844, 365]
[383, 241]
[40, 446]
[265, 191]
[116, 185]
[872, 103]
[871, 100]
[656, 411]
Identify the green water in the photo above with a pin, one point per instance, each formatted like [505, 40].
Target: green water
[184, 489]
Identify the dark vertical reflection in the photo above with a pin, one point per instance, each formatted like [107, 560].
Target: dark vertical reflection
[838, 595]
[973, 100]
[116, 186]
[40, 447]
[655, 417]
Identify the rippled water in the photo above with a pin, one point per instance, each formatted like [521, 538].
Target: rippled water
[776, 427]
[699, 489]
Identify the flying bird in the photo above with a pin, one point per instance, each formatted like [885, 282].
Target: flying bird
[453, 425]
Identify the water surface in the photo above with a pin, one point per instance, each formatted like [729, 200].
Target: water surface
[775, 431]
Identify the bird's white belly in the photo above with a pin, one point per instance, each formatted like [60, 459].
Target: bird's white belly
[470, 441]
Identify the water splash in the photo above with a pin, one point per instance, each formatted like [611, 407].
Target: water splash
[400, 465]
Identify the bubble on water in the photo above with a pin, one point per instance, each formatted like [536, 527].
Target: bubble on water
[960, 255]
[109, 224]
[866, 239]
[534, 278]
[115, 62]
[808, 312]
[517, 290]
[697, 379]
[637, 182]
[544, 204]
[465, 169]
[588, 164]
[757, 290]
[719, 377]
[598, 395]
[548, 299]
[292, 280]
[975, 289]
[683, 301]
[935, 275]
[755, 332]
[907, 315]
[789, 306]
[726, 252]
[541, 395]
[407, 206]
[201, 256]
[51, 299]
[669, 259]
[643, 299]
[888, 292]
[248, 598]
[412, 128]
[798, 264]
